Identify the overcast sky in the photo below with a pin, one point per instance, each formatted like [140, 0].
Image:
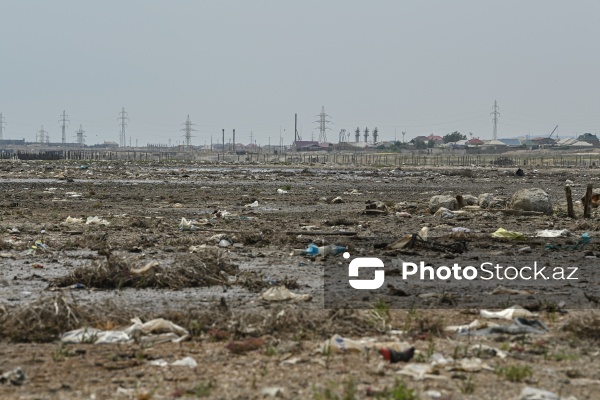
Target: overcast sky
[416, 66]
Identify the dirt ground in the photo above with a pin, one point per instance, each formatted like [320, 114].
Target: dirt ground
[247, 348]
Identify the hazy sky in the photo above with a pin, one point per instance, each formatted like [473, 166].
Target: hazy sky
[416, 66]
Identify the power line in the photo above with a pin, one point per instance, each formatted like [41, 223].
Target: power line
[123, 117]
[323, 121]
[188, 131]
[80, 136]
[64, 126]
[495, 113]
[2, 125]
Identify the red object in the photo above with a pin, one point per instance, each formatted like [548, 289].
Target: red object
[394, 356]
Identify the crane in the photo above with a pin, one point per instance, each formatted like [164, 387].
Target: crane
[552, 133]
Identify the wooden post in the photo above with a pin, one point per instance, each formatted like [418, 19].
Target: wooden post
[460, 201]
[587, 202]
[570, 211]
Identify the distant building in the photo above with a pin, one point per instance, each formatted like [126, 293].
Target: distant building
[590, 138]
[475, 142]
[306, 145]
[511, 142]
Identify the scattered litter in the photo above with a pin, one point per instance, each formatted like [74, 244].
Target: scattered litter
[504, 234]
[70, 220]
[529, 393]
[585, 239]
[281, 191]
[476, 324]
[186, 225]
[520, 326]
[272, 391]
[337, 200]
[469, 365]
[145, 268]
[15, 377]
[184, 362]
[339, 344]
[509, 313]
[444, 213]
[224, 243]
[96, 221]
[148, 332]
[314, 250]
[460, 229]
[281, 293]
[255, 204]
[420, 371]
[403, 214]
[396, 356]
[485, 351]
[552, 233]
[39, 245]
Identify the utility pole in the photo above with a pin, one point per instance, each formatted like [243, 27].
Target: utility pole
[80, 136]
[223, 144]
[323, 125]
[42, 136]
[2, 125]
[251, 137]
[188, 131]
[375, 135]
[64, 126]
[234, 149]
[296, 135]
[495, 113]
[123, 117]
[366, 135]
[357, 135]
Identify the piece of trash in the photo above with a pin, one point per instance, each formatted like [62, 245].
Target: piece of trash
[420, 371]
[224, 243]
[281, 191]
[444, 213]
[520, 326]
[255, 204]
[552, 233]
[583, 240]
[314, 250]
[504, 234]
[469, 365]
[337, 200]
[70, 220]
[15, 377]
[153, 331]
[504, 290]
[281, 293]
[476, 324]
[96, 221]
[460, 229]
[403, 214]
[424, 233]
[186, 225]
[526, 249]
[39, 245]
[529, 393]
[509, 313]
[184, 362]
[272, 391]
[396, 356]
[77, 286]
[341, 345]
[145, 268]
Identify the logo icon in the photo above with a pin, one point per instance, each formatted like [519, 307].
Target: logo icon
[366, 284]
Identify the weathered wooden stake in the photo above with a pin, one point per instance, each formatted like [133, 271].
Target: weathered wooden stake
[570, 211]
[587, 203]
[460, 201]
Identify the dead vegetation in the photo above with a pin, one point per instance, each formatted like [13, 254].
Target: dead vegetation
[584, 325]
[188, 270]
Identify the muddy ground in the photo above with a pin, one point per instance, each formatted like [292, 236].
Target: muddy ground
[279, 351]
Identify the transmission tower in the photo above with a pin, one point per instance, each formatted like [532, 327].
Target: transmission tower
[366, 135]
[80, 136]
[123, 117]
[2, 125]
[63, 120]
[188, 131]
[495, 113]
[42, 135]
[357, 135]
[375, 135]
[323, 121]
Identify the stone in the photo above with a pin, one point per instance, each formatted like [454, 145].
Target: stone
[438, 201]
[531, 200]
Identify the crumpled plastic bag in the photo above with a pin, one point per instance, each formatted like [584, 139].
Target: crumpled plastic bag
[186, 225]
[95, 220]
[281, 293]
[552, 233]
[504, 234]
[71, 220]
[508, 313]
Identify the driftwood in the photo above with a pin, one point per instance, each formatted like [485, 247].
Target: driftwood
[570, 211]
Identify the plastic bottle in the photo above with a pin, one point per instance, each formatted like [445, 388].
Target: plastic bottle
[314, 250]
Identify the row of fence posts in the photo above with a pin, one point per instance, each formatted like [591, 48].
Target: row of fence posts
[355, 159]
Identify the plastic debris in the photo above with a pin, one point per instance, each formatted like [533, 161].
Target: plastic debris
[314, 250]
[154, 331]
[339, 344]
[420, 371]
[504, 290]
[281, 191]
[403, 214]
[184, 362]
[520, 326]
[186, 225]
[504, 234]
[529, 393]
[583, 240]
[224, 243]
[396, 356]
[70, 220]
[255, 204]
[96, 221]
[337, 200]
[15, 377]
[469, 365]
[281, 293]
[509, 313]
[476, 324]
[272, 391]
[145, 268]
[552, 233]
[444, 213]
[460, 229]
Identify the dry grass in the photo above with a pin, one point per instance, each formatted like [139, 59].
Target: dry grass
[585, 325]
[188, 270]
